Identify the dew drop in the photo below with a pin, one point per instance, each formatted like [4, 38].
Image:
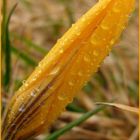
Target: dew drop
[34, 79]
[72, 25]
[95, 53]
[62, 43]
[112, 42]
[54, 71]
[25, 84]
[104, 27]
[94, 41]
[86, 59]
[21, 109]
[80, 73]
[40, 64]
[76, 28]
[83, 19]
[20, 89]
[61, 98]
[78, 32]
[33, 94]
[40, 71]
[66, 40]
[72, 40]
[70, 83]
[61, 51]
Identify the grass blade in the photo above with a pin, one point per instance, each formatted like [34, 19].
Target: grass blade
[75, 108]
[121, 106]
[4, 11]
[58, 133]
[24, 56]
[8, 49]
[29, 43]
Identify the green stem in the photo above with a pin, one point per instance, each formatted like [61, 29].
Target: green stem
[58, 133]
[7, 48]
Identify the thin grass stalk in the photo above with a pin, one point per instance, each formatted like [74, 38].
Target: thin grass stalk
[7, 49]
[84, 117]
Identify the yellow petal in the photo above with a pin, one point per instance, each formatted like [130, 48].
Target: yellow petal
[65, 70]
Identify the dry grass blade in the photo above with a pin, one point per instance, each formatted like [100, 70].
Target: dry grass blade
[121, 106]
[53, 84]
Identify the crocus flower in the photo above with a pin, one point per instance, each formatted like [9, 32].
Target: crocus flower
[65, 69]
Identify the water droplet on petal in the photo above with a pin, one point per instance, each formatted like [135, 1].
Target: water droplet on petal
[112, 42]
[34, 79]
[61, 51]
[33, 94]
[70, 83]
[86, 59]
[40, 71]
[76, 28]
[94, 41]
[40, 64]
[54, 71]
[80, 73]
[72, 25]
[83, 19]
[95, 53]
[21, 109]
[26, 85]
[61, 98]
[72, 40]
[104, 27]
[78, 32]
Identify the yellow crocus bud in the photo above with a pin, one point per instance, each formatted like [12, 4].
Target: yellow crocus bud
[65, 69]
